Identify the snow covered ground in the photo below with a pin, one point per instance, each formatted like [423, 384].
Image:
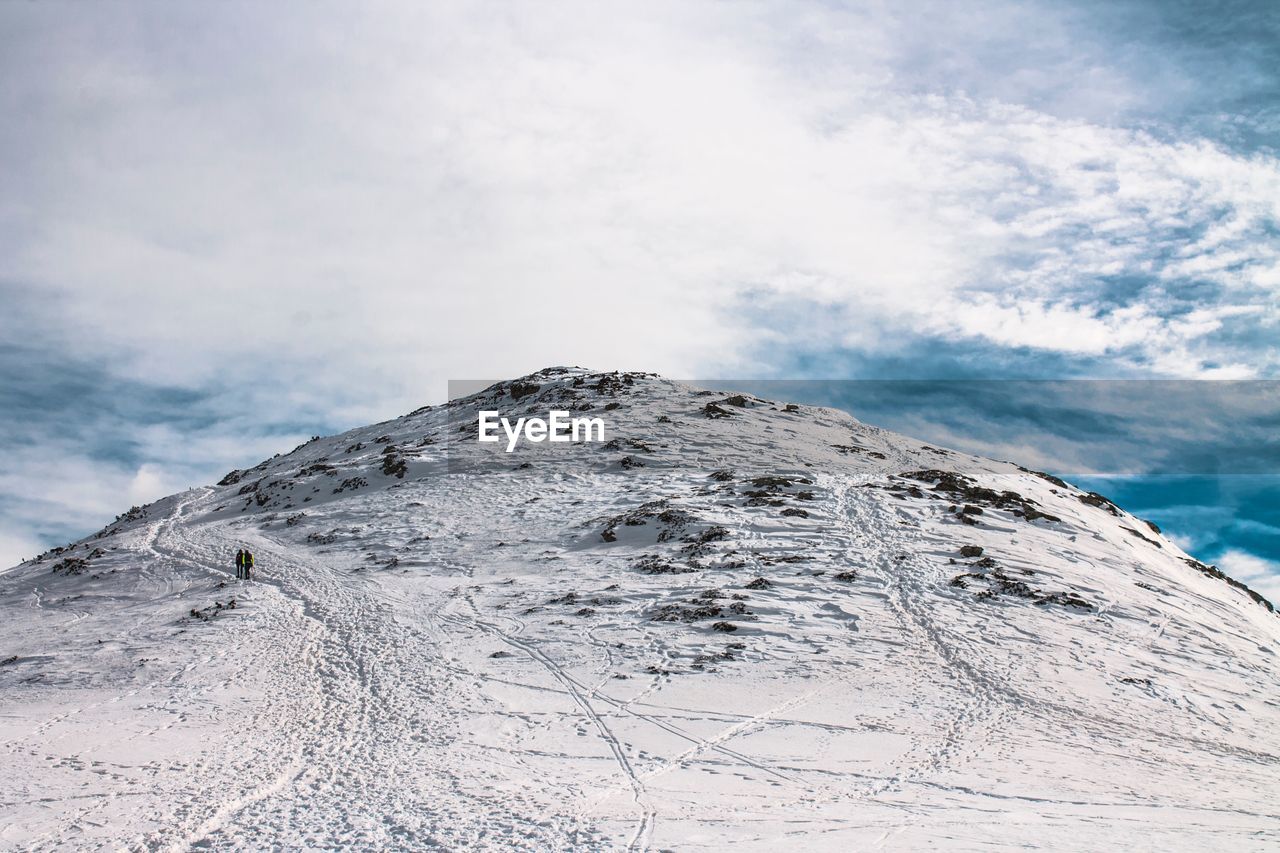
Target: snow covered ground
[739, 623]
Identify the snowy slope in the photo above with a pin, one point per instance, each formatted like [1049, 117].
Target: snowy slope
[738, 623]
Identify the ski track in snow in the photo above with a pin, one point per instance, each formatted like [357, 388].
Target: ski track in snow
[503, 685]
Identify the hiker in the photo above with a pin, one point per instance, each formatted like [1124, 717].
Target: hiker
[240, 564]
[248, 565]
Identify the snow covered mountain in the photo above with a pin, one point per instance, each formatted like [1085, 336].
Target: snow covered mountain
[733, 622]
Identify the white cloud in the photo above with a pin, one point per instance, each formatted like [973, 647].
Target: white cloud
[445, 191]
[16, 545]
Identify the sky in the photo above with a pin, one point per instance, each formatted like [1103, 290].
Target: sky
[227, 227]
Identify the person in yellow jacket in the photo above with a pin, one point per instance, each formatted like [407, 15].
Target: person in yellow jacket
[248, 565]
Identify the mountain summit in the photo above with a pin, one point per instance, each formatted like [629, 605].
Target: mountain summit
[725, 621]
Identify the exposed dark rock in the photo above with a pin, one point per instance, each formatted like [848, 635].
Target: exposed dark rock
[135, 513]
[1048, 477]
[523, 389]
[71, 565]
[394, 466]
[963, 490]
[1065, 599]
[672, 520]
[1139, 535]
[351, 484]
[652, 564]
[701, 544]
[1095, 499]
[681, 613]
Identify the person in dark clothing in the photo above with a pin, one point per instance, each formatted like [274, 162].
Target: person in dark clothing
[240, 564]
[248, 565]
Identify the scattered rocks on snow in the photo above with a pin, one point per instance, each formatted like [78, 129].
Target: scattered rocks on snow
[1215, 572]
[1097, 500]
[997, 583]
[1139, 535]
[652, 564]
[682, 613]
[351, 484]
[964, 490]
[672, 520]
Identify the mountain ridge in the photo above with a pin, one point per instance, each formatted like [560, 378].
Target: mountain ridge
[731, 606]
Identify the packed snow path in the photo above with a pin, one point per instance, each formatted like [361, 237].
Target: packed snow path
[473, 660]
